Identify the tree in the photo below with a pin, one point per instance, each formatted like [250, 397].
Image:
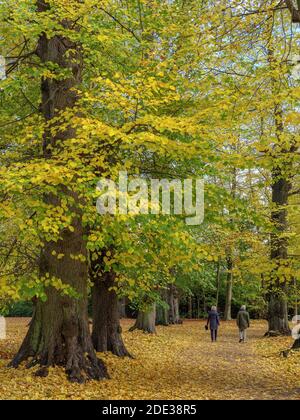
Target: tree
[162, 309]
[229, 284]
[281, 186]
[145, 320]
[282, 174]
[107, 331]
[173, 300]
[165, 89]
[295, 11]
[63, 339]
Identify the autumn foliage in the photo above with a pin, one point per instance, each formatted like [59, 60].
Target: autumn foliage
[158, 89]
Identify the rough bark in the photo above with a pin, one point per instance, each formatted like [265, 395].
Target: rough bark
[146, 320]
[278, 315]
[59, 331]
[107, 331]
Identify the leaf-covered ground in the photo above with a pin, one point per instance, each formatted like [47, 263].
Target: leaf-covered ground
[177, 363]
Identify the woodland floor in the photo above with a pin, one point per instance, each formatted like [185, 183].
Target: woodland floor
[179, 362]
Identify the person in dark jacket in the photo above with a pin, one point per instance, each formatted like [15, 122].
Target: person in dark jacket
[213, 321]
[243, 322]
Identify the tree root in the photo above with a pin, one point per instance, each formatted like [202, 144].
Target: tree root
[78, 370]
[79, 366]
[271, 333]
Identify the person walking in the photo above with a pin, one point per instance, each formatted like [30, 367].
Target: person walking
[243, 322]
[213, 321]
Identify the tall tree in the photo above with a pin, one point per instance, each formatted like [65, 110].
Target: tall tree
[229, 255]
[59, 332]
[277, 296]
[229, 285]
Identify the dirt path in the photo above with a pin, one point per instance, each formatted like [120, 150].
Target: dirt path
[252, 370]
[179, 362]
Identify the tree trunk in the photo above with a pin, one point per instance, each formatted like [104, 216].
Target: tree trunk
[59, 332]
[162, 311]
[122, 307]
[204, 303]
[277, 301]
[190, 307]
[107, 331]
[218, 282]
[296, 19]
[295, 12]
[146, 320]
[227, 314]
[198, 307]
[174, 317]
[296, 296]
[278, 315]
[229, 254]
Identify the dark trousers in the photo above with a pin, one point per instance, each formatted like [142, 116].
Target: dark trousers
[214, 334]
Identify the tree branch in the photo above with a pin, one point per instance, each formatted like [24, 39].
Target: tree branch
[121, 24]
[294, 12]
